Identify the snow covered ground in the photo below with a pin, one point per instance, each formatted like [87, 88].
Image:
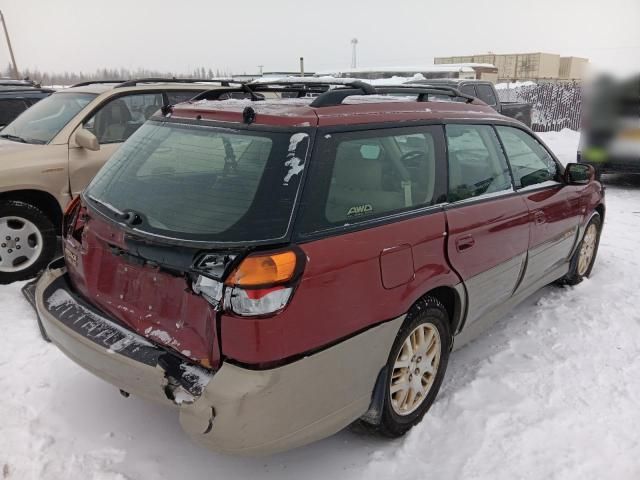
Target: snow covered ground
[550, 392]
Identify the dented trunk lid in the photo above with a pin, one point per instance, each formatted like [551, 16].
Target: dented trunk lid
[145, 288]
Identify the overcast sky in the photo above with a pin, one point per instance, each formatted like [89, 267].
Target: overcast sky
[239, 35]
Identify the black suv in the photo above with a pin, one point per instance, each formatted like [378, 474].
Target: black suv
[18, 95]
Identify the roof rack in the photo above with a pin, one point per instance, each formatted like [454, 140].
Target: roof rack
[326, 93]
[95, 82]
[301, 87]
[24, 89]
[225, 82]
[329, 97]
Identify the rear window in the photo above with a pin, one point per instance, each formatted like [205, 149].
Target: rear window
[204, 183]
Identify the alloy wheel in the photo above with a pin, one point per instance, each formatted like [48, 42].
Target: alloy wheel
[20, 244]
[587, 249]
[415, 369]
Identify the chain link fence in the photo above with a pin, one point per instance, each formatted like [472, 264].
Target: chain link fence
[555, 105]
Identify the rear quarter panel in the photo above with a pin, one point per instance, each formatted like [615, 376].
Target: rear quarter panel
[342, 292]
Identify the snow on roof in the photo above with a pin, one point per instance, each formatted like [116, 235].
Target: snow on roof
[395, 80]
[444, 67]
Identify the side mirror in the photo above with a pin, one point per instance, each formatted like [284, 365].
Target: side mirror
[579, 174]
[86, 139]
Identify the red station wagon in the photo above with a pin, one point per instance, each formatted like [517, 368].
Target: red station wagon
[278, 268]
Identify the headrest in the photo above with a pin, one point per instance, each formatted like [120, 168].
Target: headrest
[354, 171]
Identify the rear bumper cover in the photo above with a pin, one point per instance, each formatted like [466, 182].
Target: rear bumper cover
[234, 410]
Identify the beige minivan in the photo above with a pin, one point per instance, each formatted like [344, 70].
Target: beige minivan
[52, 151]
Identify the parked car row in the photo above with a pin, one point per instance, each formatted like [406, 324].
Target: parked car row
[277, 268]
[18, 95]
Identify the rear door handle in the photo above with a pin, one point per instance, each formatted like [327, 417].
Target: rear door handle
[539, 217]
[465, 243]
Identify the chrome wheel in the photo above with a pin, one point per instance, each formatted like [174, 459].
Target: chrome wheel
[587, 249]
[20, 244]
[415, 369]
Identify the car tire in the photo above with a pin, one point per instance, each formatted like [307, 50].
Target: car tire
[584, 257]
[424, 372]
[27, 241]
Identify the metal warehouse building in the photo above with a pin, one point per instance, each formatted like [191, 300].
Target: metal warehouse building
[527, 66]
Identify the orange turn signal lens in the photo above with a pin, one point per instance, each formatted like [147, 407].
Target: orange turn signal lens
[258, 270]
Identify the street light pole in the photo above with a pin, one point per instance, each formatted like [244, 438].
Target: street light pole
[13, 58]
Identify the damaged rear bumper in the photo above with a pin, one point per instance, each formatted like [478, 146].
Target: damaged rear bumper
[110, 350]
[235, 410]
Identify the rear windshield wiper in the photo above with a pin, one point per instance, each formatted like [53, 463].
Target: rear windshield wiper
[130, 217]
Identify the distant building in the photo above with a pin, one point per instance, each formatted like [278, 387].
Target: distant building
[527, 66]
[573, 68]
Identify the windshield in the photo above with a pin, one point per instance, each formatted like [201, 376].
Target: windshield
[40, 123]
[203, 183]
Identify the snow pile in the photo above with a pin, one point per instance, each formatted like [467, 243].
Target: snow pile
[563, 144]
[550, 392]
[507, 85]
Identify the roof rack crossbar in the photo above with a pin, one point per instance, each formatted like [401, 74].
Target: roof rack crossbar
[338, 95]
[335, 97]
[225, 82]
[423, 92]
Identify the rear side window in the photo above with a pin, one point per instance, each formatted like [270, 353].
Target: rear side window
[530, 162]
[120, 118]
[10, 109]
[485, 93]
[477, 165]
[468, 90]
[365, 175]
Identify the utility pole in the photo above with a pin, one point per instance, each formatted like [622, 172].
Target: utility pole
[13, 59]
[354, 44]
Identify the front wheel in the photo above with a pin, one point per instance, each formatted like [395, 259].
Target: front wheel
[27, 241]
[416, 367]
[585, 256]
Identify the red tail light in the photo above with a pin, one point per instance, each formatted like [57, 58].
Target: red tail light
[74, 220]
[261, 284]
